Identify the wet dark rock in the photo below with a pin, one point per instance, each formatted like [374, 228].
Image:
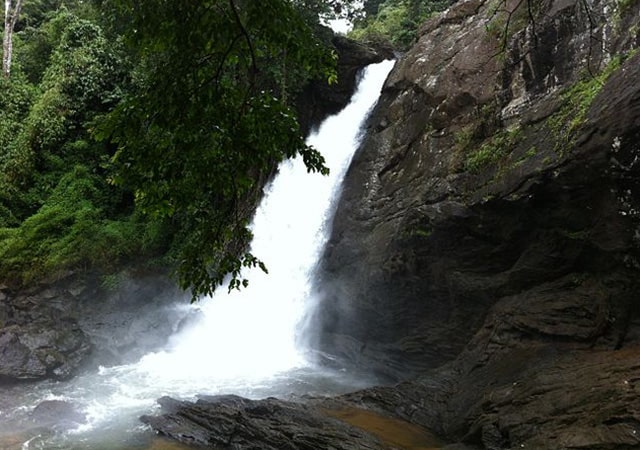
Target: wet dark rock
[37, 347]
[320, 100]
[231, 422]
[132, 319]
[528, 397]
[505, 281]
[55, 330]
[423, 245]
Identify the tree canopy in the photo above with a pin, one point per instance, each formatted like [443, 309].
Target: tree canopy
[394, 21]
[207, 118]
[149, 127]
[56, 210]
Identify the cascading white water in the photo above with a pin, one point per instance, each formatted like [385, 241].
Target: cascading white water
[244, 342]
[252, 333]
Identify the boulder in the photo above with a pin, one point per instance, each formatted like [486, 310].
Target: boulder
[58, 415]
[41, 345]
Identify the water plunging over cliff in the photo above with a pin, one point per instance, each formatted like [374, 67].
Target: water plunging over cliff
[252, 333]
[244, 343]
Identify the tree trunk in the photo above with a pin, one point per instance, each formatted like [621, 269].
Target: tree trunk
[11, 13]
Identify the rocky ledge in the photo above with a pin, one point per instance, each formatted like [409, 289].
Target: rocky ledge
[232, 422]
[236, 423]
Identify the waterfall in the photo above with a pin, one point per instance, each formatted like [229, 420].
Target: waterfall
[245, 342]
[251, 333]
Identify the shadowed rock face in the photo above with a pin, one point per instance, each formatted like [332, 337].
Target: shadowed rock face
[319, 99]
[38, 340]
[53, 331]
[468, 193]
[487, 233]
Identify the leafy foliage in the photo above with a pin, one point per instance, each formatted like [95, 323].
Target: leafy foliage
[208, 118]
[54, 201]
[70, 230]
[14, 106]
[80, 81]
[576, 101]
[494, 149]
[103, 160]
[328, 9]
[395, 21]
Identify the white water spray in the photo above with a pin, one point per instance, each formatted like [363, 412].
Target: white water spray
[245, 342]
[251, 334]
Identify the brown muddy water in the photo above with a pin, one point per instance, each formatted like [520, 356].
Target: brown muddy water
[395, 432]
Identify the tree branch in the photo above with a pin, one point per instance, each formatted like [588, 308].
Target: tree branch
[244, 32]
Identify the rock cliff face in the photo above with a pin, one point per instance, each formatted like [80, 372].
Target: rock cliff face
[487, 234]
[55, 330]
[38, 340]
[319, 99]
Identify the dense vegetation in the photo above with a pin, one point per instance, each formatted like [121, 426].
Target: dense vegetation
[394, 22]
[144, 130]
[57, 209]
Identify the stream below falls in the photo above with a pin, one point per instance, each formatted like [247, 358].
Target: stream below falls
[249, 342]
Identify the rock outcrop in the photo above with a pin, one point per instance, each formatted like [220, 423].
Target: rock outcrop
[320, 99]
[37, 340]
[231, 422]
[57, 415]
[54, 330]
[486, 241]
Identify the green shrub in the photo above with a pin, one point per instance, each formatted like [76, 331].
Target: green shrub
[396, 22]
[69, 231]
[576, 101]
